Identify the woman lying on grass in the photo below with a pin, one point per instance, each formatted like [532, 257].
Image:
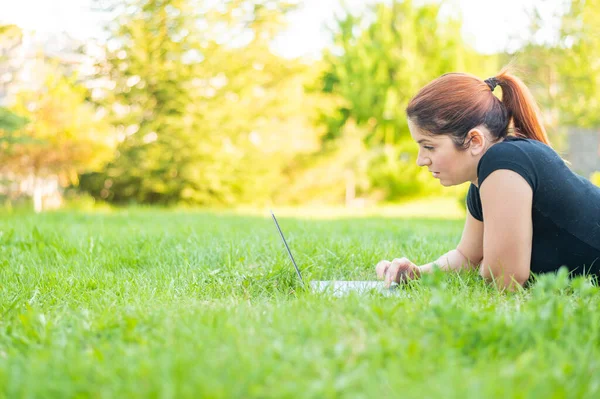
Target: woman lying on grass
[527, 211]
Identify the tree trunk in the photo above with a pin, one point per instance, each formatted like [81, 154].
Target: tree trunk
[350, 187]
[37, 195]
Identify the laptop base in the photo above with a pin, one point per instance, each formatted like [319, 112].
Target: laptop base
[340, 287]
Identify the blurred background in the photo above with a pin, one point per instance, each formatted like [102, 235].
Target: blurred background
[216, 103]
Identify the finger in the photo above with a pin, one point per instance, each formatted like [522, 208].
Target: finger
[407, 262]
[401, 261]
[403, 271]
[391, 275]
[381, 268]
[399, 265]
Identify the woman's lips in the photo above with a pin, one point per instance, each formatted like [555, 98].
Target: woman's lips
[435, 174]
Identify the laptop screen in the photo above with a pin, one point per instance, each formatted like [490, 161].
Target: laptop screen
[287, 247]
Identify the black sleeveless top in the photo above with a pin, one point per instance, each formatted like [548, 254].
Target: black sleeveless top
[566, 206]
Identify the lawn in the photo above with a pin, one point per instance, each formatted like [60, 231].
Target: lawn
[171, 304]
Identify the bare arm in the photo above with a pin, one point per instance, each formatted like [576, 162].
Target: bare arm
[452, 260]
[507, 201]
[507, 240]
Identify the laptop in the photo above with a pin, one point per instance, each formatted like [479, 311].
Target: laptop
[335, 287]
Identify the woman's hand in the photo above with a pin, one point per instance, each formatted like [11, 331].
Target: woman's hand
[398, 270]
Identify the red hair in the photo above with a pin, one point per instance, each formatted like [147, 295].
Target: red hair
[455, 103]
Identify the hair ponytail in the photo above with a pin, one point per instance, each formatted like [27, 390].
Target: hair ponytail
[521, 107]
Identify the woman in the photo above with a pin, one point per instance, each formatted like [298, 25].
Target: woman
[527, 211]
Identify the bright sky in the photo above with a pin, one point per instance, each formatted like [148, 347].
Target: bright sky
[487, 27]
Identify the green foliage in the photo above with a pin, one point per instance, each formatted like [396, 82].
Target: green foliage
[200, 122]
[578, 67]
[63, 137]
[393, 171]
[327, 176]
[383, 57]
[202, 112]
[10, 122]
[564, 75]
[149, 104]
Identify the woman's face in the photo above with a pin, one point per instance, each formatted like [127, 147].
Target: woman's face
[439, 154]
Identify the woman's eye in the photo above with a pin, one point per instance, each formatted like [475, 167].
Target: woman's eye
[428, 148]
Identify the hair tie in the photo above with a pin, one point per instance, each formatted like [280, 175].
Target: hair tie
[492, 83]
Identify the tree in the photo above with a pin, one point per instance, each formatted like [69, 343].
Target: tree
[149, 99]
[62, 139]
[380, 60]
[197, 103]
[383, 57]
[563, 73]
[10, 38]
[578, 65]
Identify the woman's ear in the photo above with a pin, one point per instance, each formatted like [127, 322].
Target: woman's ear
[476, 140]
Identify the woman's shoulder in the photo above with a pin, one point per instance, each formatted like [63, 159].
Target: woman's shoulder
[529, 153]
[535, 161]
[521, 155]
[521, 150]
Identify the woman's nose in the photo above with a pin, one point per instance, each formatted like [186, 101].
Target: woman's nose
[422, 161]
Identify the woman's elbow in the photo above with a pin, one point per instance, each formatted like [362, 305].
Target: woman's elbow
[503, 278]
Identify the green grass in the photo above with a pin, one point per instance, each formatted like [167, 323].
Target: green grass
[171, 304]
